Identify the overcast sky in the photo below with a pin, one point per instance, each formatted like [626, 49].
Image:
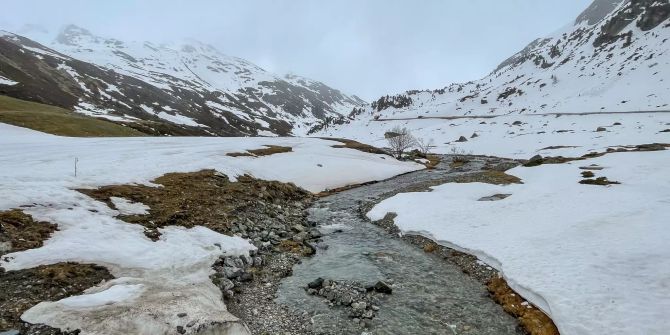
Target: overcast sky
[364, 47]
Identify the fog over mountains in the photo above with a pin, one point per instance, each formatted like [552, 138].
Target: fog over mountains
[186, 88]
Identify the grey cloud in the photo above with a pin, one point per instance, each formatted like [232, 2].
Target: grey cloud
[369, 48]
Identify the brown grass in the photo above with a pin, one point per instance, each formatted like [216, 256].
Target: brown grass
[430, 247]
[22, 231]
[588, 174]
[489, 177]
[533, 320]
[203, 198]
[351, 144]
[58, 121]
[456, 164]
[341, 189]
[554, 147]
[20, 290]
[630, 148]
[267, 151]
[433, 161]
[601, 181]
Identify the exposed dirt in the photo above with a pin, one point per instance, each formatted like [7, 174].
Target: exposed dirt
[489, 177]
[267, 151]
[351, 144]
[601, 181]
[340, 189]
[204, 198]
[630, 148]
[18, 231]
[554, 147]
[20, 290]
[532, 319]
[270, 214]
[433, 160]
[23, 289]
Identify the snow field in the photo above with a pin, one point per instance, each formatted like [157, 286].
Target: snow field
[155, 281]
[594, 258]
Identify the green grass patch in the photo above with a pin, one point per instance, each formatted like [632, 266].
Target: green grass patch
[58, 121]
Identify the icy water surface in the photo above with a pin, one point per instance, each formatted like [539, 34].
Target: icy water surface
[430, 296]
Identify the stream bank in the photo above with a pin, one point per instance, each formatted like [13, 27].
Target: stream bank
[429, 295]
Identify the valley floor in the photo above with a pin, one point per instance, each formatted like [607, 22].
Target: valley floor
[155, 282]
[587, 251]
[520, 136]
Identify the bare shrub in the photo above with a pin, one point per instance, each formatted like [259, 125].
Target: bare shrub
[399, 140]
[459, 155]
[425, 146]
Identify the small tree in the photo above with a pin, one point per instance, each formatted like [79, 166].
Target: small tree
[425, 146]
[399, 140]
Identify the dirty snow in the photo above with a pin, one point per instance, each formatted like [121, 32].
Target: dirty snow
[595, 259]
[159, 279]
[125, 207]
[112, 295]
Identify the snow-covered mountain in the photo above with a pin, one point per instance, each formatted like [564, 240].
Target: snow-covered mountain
[615, 57]
[190, 85]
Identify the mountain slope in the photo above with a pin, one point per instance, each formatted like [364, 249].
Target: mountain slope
[191, 87]
[58, 121]
[614, 58]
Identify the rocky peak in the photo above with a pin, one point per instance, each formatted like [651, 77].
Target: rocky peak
[647, 15]
[597, 11]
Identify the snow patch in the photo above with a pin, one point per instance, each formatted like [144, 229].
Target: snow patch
[125, 207]
[5, 81]
[594, 258]
[179, 119]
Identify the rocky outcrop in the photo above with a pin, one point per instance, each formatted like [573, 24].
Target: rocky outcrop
[647, 15]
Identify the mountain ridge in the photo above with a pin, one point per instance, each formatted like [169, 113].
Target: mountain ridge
[191, 85]
[611, 58]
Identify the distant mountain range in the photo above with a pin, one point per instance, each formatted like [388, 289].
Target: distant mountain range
[615, 57]
[182, 89]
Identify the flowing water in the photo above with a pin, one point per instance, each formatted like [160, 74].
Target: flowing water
[430, 296]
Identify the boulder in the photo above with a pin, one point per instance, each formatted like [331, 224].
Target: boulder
[383, 287]
[535, 161]
[316, 283]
